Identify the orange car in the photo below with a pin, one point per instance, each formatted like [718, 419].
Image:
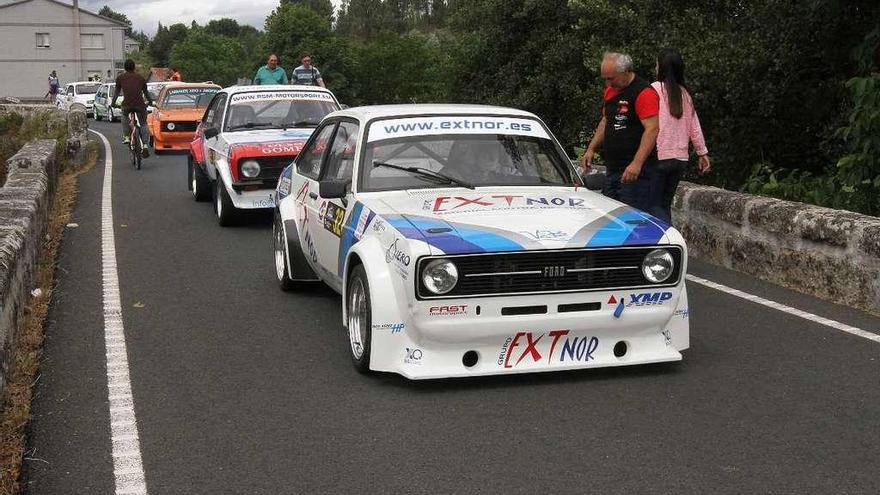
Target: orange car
[179, 107]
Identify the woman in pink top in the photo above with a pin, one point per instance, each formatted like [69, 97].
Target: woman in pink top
[679, 126]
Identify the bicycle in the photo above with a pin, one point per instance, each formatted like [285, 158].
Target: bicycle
[135, 143]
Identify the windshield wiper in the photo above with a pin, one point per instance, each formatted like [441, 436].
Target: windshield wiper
[425, 172]
[301, 123]
[249, 125]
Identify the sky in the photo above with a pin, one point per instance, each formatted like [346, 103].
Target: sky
[145, 15]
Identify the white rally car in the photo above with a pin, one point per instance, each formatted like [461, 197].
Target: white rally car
[464, 243]
[247, 136]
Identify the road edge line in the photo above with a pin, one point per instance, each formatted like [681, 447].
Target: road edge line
[843, 327]
[128, 470]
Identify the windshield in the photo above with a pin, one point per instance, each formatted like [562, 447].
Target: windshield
[278, 109]
[522, 154]
[87, 89]
[188, 97]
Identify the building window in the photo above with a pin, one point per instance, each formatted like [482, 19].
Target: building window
[92, 41]
[42, 40]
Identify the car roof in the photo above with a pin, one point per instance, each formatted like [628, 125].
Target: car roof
[414, 110]
[275, 87]
[80, 83]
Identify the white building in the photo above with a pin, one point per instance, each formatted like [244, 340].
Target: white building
[39, 36]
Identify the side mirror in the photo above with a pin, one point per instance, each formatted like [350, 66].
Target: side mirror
[594, 181]
[333, 189]
[211, 132]
[343, 106]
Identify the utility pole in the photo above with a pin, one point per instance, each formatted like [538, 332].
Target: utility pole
[77, 42]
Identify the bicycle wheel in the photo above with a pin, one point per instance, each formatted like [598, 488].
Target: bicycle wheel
[137, 150]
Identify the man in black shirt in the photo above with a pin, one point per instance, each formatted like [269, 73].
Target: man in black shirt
[627, 132]
[134, 91]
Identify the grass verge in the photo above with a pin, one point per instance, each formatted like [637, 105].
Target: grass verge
[25, 364]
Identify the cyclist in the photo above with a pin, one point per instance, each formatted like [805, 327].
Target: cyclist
[134, 91]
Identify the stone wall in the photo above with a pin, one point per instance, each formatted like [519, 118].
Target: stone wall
[25, 201]
[831, 254]
[24, 208]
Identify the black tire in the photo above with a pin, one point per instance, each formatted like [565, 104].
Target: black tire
[137, 151]
[97, 116]
[281, 255]
[199, 183]
[224, 210]
[112, 116]
[361, 317]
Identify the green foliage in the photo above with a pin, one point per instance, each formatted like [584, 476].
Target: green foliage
[106, 11]
[203, 56]
[165, 40]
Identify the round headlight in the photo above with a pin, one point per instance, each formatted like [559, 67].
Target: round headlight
[658, 266]
[440, 276]
[250, 168]
[170, 126]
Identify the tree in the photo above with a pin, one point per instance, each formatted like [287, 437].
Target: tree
[165, 40]
[323, 8]
[203, 56]
[225, 27]
[106, 11]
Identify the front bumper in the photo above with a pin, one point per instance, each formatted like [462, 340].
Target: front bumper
[439, 339]
[251, 200]
[173, 141]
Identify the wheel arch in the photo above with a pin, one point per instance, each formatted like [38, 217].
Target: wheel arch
[298, 269]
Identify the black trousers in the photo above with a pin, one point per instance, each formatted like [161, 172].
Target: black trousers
[635, 194]
[664, 181]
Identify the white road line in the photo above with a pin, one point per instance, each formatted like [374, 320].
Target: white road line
[129, 478]
[786, 309]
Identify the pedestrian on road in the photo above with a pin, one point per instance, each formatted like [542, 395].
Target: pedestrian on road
[175, 74]
[307, 74]
[135, 97]
[679, 126]
[627, 132]
[271, 73]
[53, 86]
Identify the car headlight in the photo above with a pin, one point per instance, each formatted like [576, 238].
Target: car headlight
[250, 168]
[90, 102]
[170, 126]
[658, 266]
[440, 276]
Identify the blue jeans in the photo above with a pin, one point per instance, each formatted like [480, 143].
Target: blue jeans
[635, 194]
[664, 181]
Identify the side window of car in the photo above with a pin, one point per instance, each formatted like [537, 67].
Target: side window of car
[215, 110]
[308, 163]
[340, 160]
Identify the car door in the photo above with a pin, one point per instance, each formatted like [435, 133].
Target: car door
[212, 145]
[310, 221]
[334, 213]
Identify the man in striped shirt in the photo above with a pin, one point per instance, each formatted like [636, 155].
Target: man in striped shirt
[307, 74]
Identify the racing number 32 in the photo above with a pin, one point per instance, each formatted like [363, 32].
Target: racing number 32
[334, 218]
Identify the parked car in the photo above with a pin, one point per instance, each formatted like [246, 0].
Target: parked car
[247, 136]
[103, 108]
[78, 92]
[179, 107]
[153, 88]
[464, 243]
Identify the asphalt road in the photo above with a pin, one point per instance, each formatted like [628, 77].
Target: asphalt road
[240, 388]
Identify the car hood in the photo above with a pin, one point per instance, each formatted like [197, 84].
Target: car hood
[458, 221]
[178, 114]
[267, 136]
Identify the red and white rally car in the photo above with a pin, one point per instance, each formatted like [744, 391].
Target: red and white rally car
[247, 136]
